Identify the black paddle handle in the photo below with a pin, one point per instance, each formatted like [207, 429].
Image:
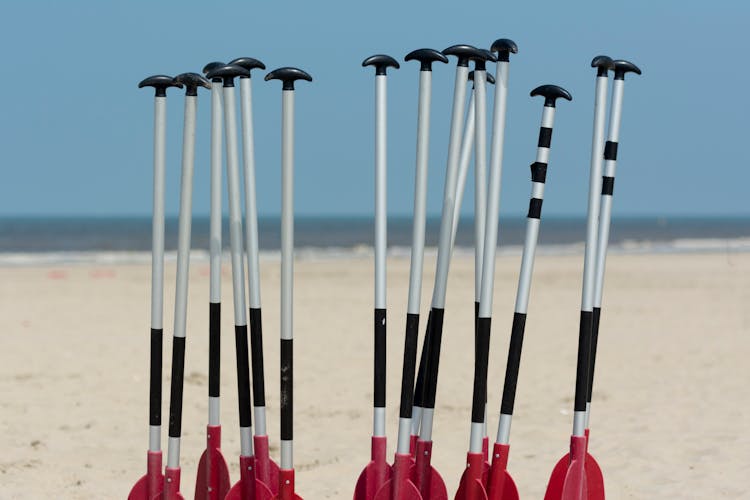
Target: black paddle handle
[286, 403]
[481, 355]
[154, 393]
[175, 397]
[433, 357]
[419, 387]
[514, 363]
[214, 348]
[256, 351]
[243, 375]
[594, 340]
[379, 364]
[582, 369]
[410, 360]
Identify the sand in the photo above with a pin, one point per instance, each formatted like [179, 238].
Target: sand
[670, 419]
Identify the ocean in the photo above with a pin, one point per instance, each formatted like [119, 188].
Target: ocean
[30, 240]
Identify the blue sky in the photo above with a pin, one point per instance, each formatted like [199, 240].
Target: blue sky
[76, 133]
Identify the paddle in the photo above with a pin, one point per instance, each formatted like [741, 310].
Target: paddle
[266, 470]
[471, 484]
[191, 81]
[500, 484]
[286, 473]
[581, 477]
[401, 486]
[151, 484]
[427, 479]
[212, 479]
[377, 471]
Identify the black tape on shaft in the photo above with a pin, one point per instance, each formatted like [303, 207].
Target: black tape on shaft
[243, 375]
[610, 150]
[535, 208]
[433, 357]
[594, 340]
[545, 137]
[582, 369]
[214, 349]
[514, 363]
[538, 172]
[419, 386]
[608, 185]
[175, 397]
[481, 358]
[256, 351]
[379, 359]
[410, 360]
[154, 402]
[286, 403]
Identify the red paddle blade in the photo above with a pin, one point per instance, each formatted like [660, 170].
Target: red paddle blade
[499, 483]
[266, 470]
[212, 480]
[472, 486]
[427, 479]
[375, 474]
[171, 489]
[582, 478]
[152, 483]
[401, 485]
[286, 486]
[248, 487]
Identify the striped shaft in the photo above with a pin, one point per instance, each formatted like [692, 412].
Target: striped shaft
[444, 252]
[592, 224]
[608, 180]
[238, 271]
[253, 264]
[380, 255]
[181, 292]
[157, 274]
[214, 247]
[538, 178]
[287, 279]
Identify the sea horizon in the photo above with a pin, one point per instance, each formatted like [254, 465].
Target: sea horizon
[32, 240]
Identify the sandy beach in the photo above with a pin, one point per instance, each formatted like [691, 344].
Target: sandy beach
[670, 418]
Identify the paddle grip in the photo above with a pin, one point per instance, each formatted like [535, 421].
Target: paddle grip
[514, 363]
[256, 349]
[410, 360]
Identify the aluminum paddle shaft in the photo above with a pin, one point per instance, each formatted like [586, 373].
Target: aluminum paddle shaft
[288, 76]
[152, 483]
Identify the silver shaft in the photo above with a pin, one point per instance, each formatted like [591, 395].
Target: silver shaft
[467, 147]
[380, 190]
[214, 245]
[446, 221]
[235, 234]
[287, 237]
[615, 117]
[157, 237]
[595, 189]
[406, 425]
[493, 195]
[183, 243]
[420, 193]
[480, 176]
[449, 192]
[251, 210]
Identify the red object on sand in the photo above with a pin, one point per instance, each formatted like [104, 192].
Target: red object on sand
[375, 474]
[472, 485]
[428, 480]
[151, 484]
[266, 470]
[286, 486]
[568, 474]
[171, 485]
[212, 481]
[401, 484]
[249, 487]
[500, 484]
